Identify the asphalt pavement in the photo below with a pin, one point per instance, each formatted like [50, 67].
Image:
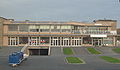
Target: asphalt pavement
[56, 61]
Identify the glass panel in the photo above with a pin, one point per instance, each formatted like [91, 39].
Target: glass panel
[44, 27]
[108, 42]
[87, 40]
[23, 40]
[52, 27]
[12, 41]
[66, 27]
[12, 27]
[34, 28]
[23, 28]
[44, 40]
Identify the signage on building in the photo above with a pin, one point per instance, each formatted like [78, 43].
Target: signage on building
[98, 24]
[98, 35]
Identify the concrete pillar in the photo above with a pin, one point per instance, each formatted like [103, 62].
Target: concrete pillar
[114, 41]
[49, 41]
[1, 31]
[60, 41]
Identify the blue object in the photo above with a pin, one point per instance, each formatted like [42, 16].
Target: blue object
[15, 58]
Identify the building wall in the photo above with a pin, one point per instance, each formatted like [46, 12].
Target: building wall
[5, 27]
[1, 32]
[5, 41]
[5, 33]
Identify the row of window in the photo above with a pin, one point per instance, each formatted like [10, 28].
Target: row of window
[59, 40]
[55, 28]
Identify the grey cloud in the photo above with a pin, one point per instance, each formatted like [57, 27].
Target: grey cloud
[60, 10]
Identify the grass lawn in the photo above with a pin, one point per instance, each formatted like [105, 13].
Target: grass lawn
[73, 60]
[117, 50]
[93, 51]
[110, 59]
[67, 51]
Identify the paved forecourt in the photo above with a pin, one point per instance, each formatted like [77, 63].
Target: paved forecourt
[56, 61]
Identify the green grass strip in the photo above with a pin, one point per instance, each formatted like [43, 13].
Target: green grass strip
[110, 59]
[73, 60]
[93, 51]
[67, 51]
[117, 50]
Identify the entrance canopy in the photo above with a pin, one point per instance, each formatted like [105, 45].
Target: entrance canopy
[98, 35]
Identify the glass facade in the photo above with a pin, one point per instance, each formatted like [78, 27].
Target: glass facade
[12, 41]
[60, 41]
[23, 40]
[83, 32]
[13, 27]
[61, 28]
[23, 28]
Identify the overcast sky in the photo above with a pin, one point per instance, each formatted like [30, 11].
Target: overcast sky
[60, 10]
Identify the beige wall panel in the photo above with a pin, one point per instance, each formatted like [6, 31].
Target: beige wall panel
[12, 32]
[5, 29]
[5, 41]
[34, 33]
[7, 22]
[23, 32]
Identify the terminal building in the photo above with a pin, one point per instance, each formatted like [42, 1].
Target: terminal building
[57, 34]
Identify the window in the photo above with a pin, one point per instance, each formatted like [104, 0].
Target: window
[34, 28]
[87, 40]
[23, 28]
[13, 27]
[55, 28]
[44, 28]
[44, 40]
[108, 40]
[66, 27]
[23, 40]
[34, 41]
[12, 41]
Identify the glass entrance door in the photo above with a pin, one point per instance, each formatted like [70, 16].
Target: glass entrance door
[13, 41]
[97, 42]
[100, 42]
[66, 42]
[55, 42]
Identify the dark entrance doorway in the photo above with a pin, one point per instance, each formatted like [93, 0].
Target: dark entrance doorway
[43, 51]
[38, 52]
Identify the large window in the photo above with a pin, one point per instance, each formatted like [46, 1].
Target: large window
[87, 40]
[108, 40]
[66, 28]
[44, 28]
[23, 28]
[35, 41]
[55, 28]
[34, 28]
[23, 40]
[96, 30]
[12, 41]
[13, 27]
[44, 40]
[76, 41]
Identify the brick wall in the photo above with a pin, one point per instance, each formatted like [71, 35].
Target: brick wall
[1, 32]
